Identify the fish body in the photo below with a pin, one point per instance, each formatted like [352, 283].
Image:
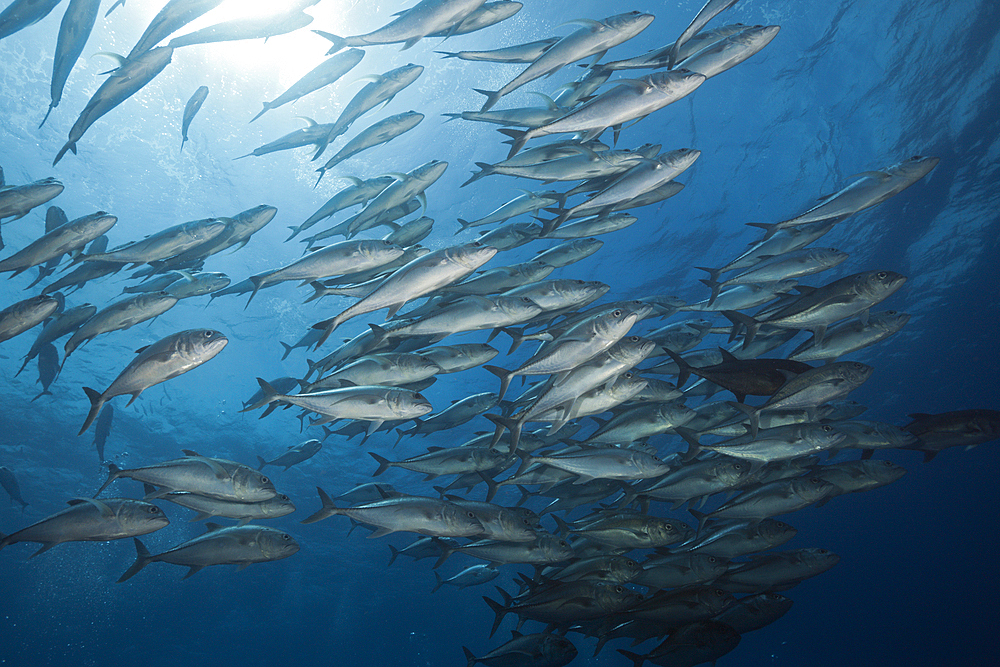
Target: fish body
[9, 483]
[165, 359]
[629, 100]
[771, 499]
[387, 369]
[237, 545]
[382, 89]
[870, 189]
[121, 315]
[519, 53]
[313, 134]
[48, 368]
[175, 15]
[368, 403]
[20, 14]
[63, 239]
[65, 322]
[422, 20]
[782, 443]
[851, 336]
[296, 454]
[730, 51]
[381, 132]
[197, 284]
[473, 575]
[74, 31]
[192, 107]
[164, 244]
[249, 28]
[755, 612]
[120, 85]
[594, 38]
[88, 520]
[710, 10]
[421, 276]
[103, 429]
[202, 475]
[17, 200]
[23, 315]
[327, 72]
[208, 507]
[414, 514]
[961, 428]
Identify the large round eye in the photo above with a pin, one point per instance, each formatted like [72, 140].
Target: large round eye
[656, 458]
[471, 515]
[815, 480]
[419, 397]
[917, 157]
[154, 510]
[264, 480]
[619, 589]
[713, 559]
[208, 333]
[616, 313]
[525, 299]
[859, 366]
[670, 527]
[477, 244]
[386, 242]
[882, 275]
[887, 464]
[283, 497]
[634, 339]
[719, 593]
[891, 312]
[286, 537]
[827, 429]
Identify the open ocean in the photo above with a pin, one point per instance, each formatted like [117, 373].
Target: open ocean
[847, 86]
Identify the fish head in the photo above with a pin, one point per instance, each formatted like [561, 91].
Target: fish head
[823, 436]
[615, 324]
[914, 168]
[878, 285]
[844, 410]
[628, 24]
[775, 532]
[679, 159]
[43, 190]
[471, 255]
[255, 218]
[201, 344]
[885, 472]
[631, 350]
[622, 569]
[716, 599]
[204, 230]
[812, 489]
[516, 528]
[522, 308]
[429, 171]
[380, 250]
[709, 567]
[554, 548]
[856, 373]
[556, 650]
[275, 544]
[311, 447]
[139, 517]
[818, 559]
[615, 597]
[280, 505]
[757, 37]
[404, 75]
[461, 522]
[895, 435]
[889, 321]
[250, 483]
[409, 404]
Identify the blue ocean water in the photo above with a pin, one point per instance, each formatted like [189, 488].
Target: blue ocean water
[847, 86]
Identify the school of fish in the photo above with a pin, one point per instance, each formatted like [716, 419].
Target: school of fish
[595, 430]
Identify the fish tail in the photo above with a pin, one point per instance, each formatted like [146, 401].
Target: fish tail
[258, 282]
[262, 462]
[468, 654]
[270, 395]
[702, 518]
[288, 350]
[383, 464]
[45, 392]
[51, 107]
[492, 97]
[485, 169]
[769, 228]
[739, 319]
[395, 552]
[500, 612]
[329, 325]
[3, 540]
[752, 413]
[509, 423]
[320, 292]
[96, 403]
[634, 657]
[516, 338]
[683, 367]
[267, 107]
[328, 508]
[519, 138]
[505, 378]
[463, 225]
[23, 366]
[337, 42]
[113, 473]
[69, 146]
[694, 447]
[142, 559]
[439, 584]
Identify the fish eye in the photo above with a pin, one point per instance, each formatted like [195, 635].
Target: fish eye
[419, 396]
[738, 466]
[669, 528]
[286, 537]
[471, 515]
[386, 242]
[283, 497]
[713, 559]
[264, 480]
[882, 275]
[656, 458]
[916, 157]
[619, 589]
[634, 339]
[616, 313]
[858, 365]
[208, 333]
[827, 428]
[525, 299]
[815, 480]
[887, 464]
[719, 593]
[477, 244]
[154, 510]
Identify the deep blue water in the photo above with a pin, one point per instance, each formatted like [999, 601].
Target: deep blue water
[847, 86]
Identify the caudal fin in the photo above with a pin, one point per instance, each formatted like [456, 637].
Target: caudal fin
[328, 508]
[142, 559]
[492, 97]
[263, 463]
[337, 43]
[96, 403]
[270, 395]
[383, 464]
